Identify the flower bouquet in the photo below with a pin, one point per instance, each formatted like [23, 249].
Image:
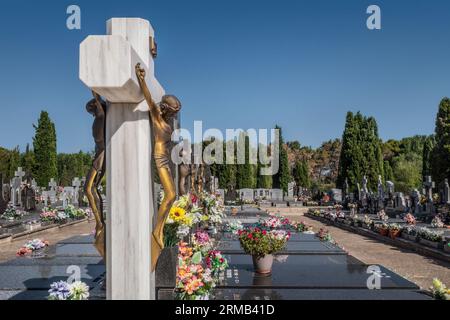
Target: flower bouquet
[49, 215]
[233, 227]
[32, 246]
[182, 217]
[193, 281]
[261, 245]
[410, 219]
[439, 290]
[216, 262]
[299, 226]
[12, 214]
[324, 235]
[74, 213]
[201, 242]
[62, 290]
[437, 222]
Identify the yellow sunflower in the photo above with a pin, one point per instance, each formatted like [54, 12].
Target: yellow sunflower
[177, 214]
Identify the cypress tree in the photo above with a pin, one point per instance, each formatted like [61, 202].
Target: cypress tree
[301, 174]
[440, 160]
[13, 162]
[427, 156]
[27, 161]
[246, 172]
[44, 143]
[282, 178]
[388, 173]
[361, 152]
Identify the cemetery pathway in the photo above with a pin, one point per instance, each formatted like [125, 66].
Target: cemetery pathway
[8, 250]
[414, 267]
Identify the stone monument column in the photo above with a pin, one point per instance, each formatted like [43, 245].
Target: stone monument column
[107, 66]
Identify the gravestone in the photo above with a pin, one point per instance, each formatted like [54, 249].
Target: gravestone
[428, 186]
[28, 198]
[52, 184]
[76, 183]
[276, 195]
[400, 202]
[3, 202]
[290, 193]
[246, 195]
[16, 192]
[415, 198]
[64, 197]
[221, 193]
[107, 66]
[44, 197]
[446, 195]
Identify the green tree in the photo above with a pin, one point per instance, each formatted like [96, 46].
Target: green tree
[301, 174]
[263, 181]
[388, 174]
[282, 178]
[14, 161]
[27, 161]
[428, 148]
[440, 160]
[407, 172]
[44, 143]
[246, 172]
[361, 153]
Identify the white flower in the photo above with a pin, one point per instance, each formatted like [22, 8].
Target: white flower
[183, 231]
[79, 291]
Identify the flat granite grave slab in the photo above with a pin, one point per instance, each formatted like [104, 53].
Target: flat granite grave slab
[308, 294]
[40, 277]
[292, 247]
[308, 272]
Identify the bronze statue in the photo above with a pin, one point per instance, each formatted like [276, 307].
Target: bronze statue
[184, 172]
[97, 107]
[161, 117]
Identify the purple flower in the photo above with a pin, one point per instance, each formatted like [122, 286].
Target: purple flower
[59, 291]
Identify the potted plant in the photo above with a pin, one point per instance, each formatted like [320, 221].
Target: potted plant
[383, 229]
[409, 233]
[367, 222]
[430, 238]
[262, 245]
[394, 230]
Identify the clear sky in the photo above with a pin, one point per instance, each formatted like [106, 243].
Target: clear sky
[238, 64]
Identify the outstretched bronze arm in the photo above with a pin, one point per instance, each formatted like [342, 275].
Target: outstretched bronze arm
[140, 73]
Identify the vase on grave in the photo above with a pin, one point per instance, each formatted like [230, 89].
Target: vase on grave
[263, 265]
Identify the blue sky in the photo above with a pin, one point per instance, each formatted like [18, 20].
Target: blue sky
[238, 64]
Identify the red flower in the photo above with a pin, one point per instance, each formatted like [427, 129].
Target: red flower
[250, 236]
[264, 232]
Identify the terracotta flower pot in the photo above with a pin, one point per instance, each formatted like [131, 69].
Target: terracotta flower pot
[384, 232]
[234, 211]
[263, 265]
[394, 233]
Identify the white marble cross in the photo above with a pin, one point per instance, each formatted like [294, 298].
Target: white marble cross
[76, 183]
[19, 173]
[107, 66]
[52, 184]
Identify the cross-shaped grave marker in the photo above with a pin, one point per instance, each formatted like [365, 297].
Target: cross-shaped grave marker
[107, 66]
[52, 184]
[76, 183]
